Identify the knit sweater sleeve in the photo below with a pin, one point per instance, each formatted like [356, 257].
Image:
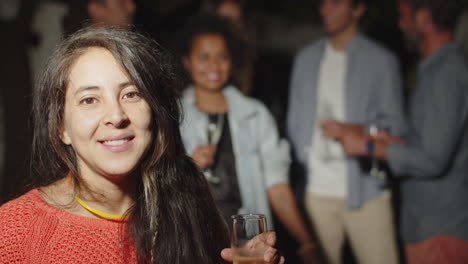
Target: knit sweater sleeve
[32, 231]
[15, 223]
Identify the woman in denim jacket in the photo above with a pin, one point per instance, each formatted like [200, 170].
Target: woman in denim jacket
[247, 163]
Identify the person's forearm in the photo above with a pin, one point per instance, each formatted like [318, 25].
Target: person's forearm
[337, 130]
[381, 146]
[285, 208]
[380, 150]
[354, 129]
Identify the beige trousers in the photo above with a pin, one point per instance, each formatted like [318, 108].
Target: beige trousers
[370, 229]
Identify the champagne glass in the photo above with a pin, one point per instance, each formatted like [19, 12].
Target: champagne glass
[245, 229]
[373, 129]
[214, 131]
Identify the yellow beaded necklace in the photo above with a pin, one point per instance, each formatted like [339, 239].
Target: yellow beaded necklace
[99, 213]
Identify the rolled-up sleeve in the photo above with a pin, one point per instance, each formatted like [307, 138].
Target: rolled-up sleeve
[435, 132]
[275, 151]
[390, 97]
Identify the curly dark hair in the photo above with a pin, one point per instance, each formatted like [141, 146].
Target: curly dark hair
[211, 24]
[445, 13]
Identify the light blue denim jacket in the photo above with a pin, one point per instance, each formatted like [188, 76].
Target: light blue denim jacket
[262, 157]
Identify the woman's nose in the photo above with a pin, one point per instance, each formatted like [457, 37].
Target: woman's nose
[215, 64]
[115, 115]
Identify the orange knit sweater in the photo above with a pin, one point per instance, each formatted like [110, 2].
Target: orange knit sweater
[32, 231]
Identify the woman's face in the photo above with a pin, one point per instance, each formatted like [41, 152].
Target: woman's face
[106, 121]
[209, 62]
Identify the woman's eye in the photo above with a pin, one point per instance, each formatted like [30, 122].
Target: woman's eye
[131, 95]
[88, 100]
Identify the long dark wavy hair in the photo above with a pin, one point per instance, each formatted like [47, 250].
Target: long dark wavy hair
[174, 218]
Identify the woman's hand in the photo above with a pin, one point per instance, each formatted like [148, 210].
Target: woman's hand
[264, 242]
[204, 156]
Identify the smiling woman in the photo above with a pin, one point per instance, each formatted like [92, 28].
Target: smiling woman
[113, 183]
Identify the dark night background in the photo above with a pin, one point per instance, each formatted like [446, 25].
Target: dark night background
[280, 28]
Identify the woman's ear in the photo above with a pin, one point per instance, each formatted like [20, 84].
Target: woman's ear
[186, 63]
[64, 136]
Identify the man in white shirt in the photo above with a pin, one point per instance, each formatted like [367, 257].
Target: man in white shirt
[342, 80]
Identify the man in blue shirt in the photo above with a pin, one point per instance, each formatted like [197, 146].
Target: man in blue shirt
[435, 155]
[338, 81]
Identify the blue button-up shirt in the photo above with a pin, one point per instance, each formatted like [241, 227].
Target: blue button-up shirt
[435, 157]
